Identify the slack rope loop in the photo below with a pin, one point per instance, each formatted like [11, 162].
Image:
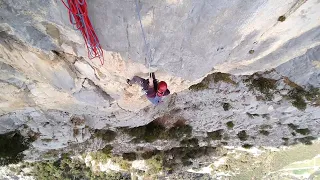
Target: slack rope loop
[78, 16]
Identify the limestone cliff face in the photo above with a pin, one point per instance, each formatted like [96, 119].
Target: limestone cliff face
[47, 83]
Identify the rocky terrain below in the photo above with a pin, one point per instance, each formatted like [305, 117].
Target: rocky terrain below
[244, 81]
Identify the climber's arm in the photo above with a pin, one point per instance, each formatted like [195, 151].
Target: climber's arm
[151, 79]
[151, 83]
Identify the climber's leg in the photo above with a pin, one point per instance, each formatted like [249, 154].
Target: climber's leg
[144, 83]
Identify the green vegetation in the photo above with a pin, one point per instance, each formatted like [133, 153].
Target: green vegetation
[247, 146]
[106, 154]
[242, 135]
[297, 97]
[226, 106]
[251, 51]
[12, 145]
[148, 133]
[215, 77]
[215, 135]
[230, 125]
[313, 95]
[174, 157]
[106, 135]
[264, 132]
[307, 140]
[67, 168]
[200, 86]
[102, 155]
[154, 131]
[155, 164]
[304, 131]
[124, 164]
[193, 142]
[292, 126]
[282, 18]
[149, 154]
[264, 85]
[51, 154]
[179, 131]
[129, 156]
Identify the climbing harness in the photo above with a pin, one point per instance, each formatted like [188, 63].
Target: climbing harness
[147, 50]
[78, 15]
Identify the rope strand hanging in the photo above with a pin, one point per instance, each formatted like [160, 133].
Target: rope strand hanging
[147, 51]
[78, 16]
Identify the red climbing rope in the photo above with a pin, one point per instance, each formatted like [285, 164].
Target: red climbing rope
[78, 15]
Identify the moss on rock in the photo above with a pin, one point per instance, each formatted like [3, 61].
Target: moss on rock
[214, 77]
[242, 135]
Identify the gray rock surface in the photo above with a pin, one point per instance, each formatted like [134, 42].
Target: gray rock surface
[46, 79]
[195, 37]
[304, 70]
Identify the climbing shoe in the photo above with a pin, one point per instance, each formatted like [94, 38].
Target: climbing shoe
[128, 81]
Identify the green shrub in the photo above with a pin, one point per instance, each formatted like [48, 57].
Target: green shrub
[230, 125]
[282, 18]
[200, 86]
[251, 51]
[155, 164]
[148, 133]
[102, 155]
[292, 126]
[67, 168]
[303, 131]
[154, 131]
[179, 131]
[149, 154]
[215, 135]
[215, 77]
[307, 140]
[264, 85]
[264, 132]
[242, 135]
[105, 134]
[247, 146]
[297, 97]
[129, 156]
[189, 142]
[124, 164]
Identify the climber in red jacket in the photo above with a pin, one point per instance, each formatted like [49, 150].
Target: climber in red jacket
[154, 90]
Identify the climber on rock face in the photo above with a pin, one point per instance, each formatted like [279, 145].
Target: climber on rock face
[154, 90]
